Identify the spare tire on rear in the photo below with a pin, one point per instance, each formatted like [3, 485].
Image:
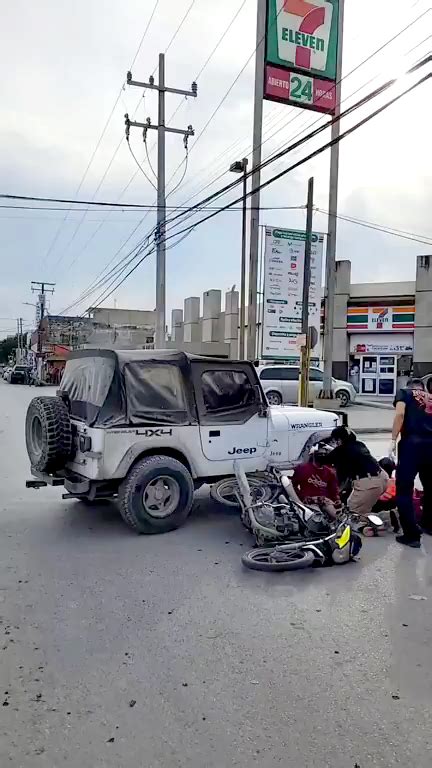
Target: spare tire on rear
[48, 434]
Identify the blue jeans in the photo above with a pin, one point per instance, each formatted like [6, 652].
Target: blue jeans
[414, 458]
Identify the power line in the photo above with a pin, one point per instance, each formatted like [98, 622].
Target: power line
[274, 178]
[121, 141]
[378, 228]
[199, 74]
[343, 79]
[361, 102]
[151, 208]
[139, 164]
[99, 141]
[234, 183]
[364, 100]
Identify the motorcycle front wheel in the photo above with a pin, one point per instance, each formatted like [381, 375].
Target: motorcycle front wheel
[264, 560]
[263, 489]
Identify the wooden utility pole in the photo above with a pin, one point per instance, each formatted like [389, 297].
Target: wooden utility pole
[305, 350]
[162, 129]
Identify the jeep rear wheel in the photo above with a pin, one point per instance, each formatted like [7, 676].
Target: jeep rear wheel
[157, 495]
[48, 434]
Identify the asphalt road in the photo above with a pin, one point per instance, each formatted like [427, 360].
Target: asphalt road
[227, 667]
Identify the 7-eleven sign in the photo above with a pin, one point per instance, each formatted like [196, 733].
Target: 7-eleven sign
[301, 53]
[303, 35]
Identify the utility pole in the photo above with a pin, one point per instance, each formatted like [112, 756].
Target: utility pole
[240, 166]
[162, 130]
[256, 179]
[41, 289]
[18, 355]
[305, 354]
[21, 339]
[327, 392]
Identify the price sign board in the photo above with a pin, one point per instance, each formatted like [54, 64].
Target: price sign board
[283, 292]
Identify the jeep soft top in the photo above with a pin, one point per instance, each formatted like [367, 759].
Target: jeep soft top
[107, 388]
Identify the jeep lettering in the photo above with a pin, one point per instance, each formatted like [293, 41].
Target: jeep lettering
[249, 451]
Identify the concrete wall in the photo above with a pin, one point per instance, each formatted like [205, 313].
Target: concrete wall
[112, 317]
[423, 323]
[214, 333]
[120, 338]
[340, 338]
[380, 291]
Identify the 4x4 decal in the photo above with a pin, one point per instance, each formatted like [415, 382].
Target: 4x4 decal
[159, 432]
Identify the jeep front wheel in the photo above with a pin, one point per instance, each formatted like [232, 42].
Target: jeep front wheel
[156, 496]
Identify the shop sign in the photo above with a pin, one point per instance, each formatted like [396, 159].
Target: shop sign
[380, 319]
[383, 349]
[301, 53]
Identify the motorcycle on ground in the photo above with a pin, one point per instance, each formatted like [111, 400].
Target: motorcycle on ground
[291, 536]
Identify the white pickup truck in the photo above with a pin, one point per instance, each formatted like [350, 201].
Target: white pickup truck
[148, 428]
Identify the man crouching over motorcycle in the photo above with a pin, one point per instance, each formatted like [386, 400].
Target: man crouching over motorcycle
[316, 484]
[354, 463]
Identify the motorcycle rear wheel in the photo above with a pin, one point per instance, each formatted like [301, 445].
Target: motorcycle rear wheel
[260, 560]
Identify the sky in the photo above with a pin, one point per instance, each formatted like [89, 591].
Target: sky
[63, 72]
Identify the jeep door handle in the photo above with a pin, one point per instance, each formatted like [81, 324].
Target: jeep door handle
[214, 433]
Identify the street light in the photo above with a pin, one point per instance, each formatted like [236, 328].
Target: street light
[240, 166]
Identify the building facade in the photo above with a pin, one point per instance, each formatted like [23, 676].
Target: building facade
[382, 331]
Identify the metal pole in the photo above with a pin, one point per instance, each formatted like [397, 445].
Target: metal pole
[332, 224]
[256, 178]
[18, 348]
[41, 317]
[243, 266]
[304, 373]
[161, 212]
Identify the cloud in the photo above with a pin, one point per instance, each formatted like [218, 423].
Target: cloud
[63, 71]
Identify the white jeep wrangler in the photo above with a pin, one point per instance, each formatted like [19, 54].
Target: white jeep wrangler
[151, 427]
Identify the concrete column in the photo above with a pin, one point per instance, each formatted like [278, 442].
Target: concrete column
[340, 335]
[231, 317]
[191, 324]
[177, 326]
[423, 317]
[211, 315]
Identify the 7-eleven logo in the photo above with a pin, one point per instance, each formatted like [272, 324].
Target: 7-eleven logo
[303, 30]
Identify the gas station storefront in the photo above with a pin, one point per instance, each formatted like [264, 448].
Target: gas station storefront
[381, 347]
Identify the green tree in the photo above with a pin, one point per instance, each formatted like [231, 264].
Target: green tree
[7, 346]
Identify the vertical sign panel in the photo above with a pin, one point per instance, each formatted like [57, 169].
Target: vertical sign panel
[301, 53]
[283, 287]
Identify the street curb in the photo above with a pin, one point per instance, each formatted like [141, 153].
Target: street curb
[372, 431]
[382, 406]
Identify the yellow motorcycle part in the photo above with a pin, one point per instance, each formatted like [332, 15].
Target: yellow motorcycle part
[344, 539]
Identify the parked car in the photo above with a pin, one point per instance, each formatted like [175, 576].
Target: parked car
[281, 383]
[19, 374]
[428, 382]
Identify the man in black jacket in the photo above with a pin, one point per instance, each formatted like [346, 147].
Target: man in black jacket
[353, 461]
[413, 422]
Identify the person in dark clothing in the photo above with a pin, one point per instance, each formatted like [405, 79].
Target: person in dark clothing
[354, 462]
[413, 422]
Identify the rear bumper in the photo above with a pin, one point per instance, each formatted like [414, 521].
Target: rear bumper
[42, 480]
[74, 484]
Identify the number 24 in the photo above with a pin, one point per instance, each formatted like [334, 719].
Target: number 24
[298, 90]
